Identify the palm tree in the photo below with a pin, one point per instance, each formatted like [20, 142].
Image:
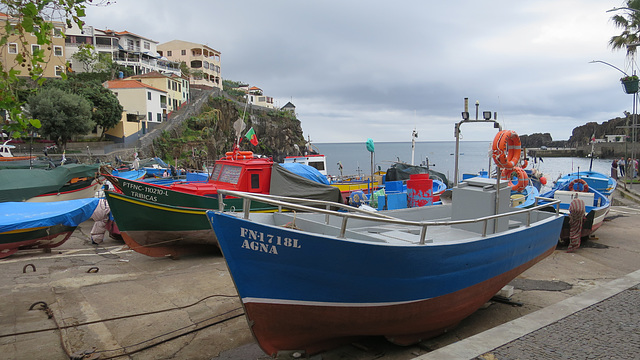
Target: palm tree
[629, 22]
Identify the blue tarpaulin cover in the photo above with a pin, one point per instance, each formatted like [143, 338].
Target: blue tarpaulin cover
[26, 215]
[306, 171]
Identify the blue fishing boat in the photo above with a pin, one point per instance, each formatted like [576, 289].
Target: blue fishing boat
[314, 279]
[597, 206]
[41, 225]
[592, 179]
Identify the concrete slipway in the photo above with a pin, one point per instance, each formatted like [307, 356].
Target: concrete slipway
[115, 303]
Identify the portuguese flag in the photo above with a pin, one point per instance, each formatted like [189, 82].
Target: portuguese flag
[251, 136]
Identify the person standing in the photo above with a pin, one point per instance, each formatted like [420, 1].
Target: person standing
[621, 166]
[614, 169]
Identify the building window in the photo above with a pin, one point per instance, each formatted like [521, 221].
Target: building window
[57, 50]
[168, 52]
[168, 83]
[149, 116]
[159, 117]
[57, 32]
[12, 48]
[147, 46]
[148, 95]
[58, 70]
[35, 48]
[184, 52]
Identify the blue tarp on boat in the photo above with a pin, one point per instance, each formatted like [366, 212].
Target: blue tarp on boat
[27, 215]
[306, 171]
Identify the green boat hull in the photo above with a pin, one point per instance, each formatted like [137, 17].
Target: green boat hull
[157, 229]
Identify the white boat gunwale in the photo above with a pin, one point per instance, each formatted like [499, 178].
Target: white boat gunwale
[291, 203]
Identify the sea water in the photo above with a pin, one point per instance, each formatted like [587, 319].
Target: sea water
[474, 157]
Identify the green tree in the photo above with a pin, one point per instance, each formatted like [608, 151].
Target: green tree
[629, 22]
[63, 115]
[25, 17]
[87, 56]
[106, 109]
[184, 68]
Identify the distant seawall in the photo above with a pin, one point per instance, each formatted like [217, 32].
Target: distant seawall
[605, 150]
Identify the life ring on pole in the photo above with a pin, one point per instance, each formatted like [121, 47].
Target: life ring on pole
[517, 174]
[506, 149]
[583, 187]
[525, 163]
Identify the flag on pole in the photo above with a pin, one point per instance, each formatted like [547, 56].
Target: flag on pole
[251, 136]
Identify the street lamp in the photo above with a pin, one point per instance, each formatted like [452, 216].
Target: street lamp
[623, 8]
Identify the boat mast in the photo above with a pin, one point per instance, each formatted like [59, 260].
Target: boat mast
[486, 118]
[414, 135]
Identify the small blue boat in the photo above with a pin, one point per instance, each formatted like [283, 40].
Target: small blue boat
[44, 225]
[598, 181]
[597, 207]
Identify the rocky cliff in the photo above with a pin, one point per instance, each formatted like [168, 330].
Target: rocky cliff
[206, 136]
[582, 134]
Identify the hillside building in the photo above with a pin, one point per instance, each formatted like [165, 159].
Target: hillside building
[144, 107]
[203, 62]
[54, 54]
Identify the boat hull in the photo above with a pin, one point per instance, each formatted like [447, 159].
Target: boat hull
[312, 292]
[160, 229]
[42, 237]
[83, 190]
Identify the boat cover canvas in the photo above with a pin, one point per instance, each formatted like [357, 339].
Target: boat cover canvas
[400, 171]
[306, 171]
[26, 215]
[23, 184]
[286, 183]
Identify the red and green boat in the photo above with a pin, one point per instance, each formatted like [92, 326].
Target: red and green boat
[170, 220]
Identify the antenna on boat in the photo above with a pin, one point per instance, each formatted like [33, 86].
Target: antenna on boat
[414, 135]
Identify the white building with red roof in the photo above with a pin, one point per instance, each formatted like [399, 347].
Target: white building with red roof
[144, 106]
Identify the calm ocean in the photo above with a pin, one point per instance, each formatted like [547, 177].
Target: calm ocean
[474, 157]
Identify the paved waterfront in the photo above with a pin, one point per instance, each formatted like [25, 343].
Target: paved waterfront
[602, 323]
[606, 330]
[190, 310]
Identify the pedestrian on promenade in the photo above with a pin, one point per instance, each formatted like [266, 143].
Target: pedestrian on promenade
[621, 165]
[614, 169]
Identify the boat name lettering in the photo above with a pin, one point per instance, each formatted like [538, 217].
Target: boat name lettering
[147, 197]
[267, 243]
[146, 189]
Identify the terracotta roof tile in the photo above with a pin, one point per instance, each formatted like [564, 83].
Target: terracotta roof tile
[129, 84]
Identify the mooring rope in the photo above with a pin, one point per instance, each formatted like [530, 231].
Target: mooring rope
[576, 217]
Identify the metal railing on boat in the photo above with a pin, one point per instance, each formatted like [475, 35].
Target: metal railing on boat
[284, 202]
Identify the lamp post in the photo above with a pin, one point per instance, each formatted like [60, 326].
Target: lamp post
[634, 119]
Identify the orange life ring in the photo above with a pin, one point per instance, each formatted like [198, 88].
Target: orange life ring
[239, 155]
[506, 149]
[520, 176]
[525, 163]
[585, 186]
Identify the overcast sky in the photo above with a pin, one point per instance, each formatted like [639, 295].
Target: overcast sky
[378, 69]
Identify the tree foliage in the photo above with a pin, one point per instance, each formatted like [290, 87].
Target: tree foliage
[25, 17]
[628, 19]
[63, 115]
[106, 110]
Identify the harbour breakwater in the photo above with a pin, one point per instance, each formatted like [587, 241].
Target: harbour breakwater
[604, 150]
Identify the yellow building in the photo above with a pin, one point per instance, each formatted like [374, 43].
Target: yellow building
[54, 58]
[199, 58]
[173, 85]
